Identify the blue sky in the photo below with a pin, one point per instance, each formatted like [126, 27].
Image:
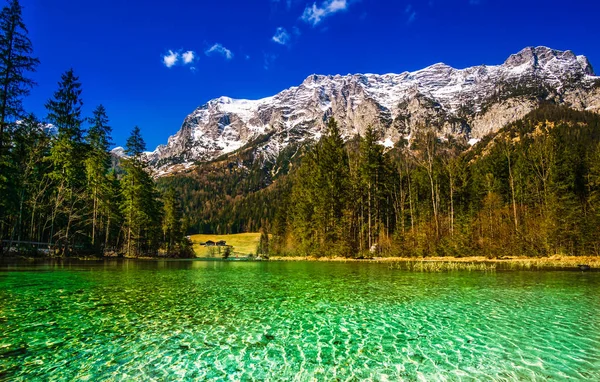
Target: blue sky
[153, 62]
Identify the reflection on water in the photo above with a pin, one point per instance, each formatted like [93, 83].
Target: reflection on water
[174, 320]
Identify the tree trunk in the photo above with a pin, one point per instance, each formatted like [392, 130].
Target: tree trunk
[512, 190]
[370, 214]
[5, 89]
[402, 206]
[130, 219]
[361, 225]
[451, 204]
[410, 206]
[107, 233]
[55, 212]
[434, 204]
[94, 216]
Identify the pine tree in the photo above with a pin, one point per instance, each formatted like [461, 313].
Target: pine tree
[141, 208]
[171, 224]
[114, 218]
[131, 186]
[64, 111]
[372, 175]
[135, 144]
[304, 205]
[98, 135]
[15, 61]
[427, 145]
[29, 149]
[97, 165]
[263, 248]
[321, 195]
[68, 157]
[333, 175]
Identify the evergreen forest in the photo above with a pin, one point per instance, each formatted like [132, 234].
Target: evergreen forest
[60, 191]
[530, 189]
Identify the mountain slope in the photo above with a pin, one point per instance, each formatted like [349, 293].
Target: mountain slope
[235, 193]
[468, 103]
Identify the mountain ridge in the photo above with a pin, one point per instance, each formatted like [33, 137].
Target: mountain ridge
[467, 103]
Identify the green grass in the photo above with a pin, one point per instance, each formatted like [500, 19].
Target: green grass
[243, 243]
[442, 266]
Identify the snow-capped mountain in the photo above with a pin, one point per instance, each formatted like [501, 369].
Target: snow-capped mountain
[49, 129]
[118, 152]
[469, 102]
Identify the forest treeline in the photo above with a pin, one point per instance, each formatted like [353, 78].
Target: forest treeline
[532, 189]
[59, 192]
[235, 194]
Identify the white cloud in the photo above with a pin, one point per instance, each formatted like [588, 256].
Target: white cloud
[315, 14]
[281, 36]
[173, 58]
[337, 5]
[188, 57]
[219, 49]
[170, 59]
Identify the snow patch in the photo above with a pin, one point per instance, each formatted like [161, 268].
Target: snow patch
[118, 152]
[388, 142]
[294, 115]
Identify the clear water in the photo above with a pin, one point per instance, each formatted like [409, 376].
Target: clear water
[198, 320]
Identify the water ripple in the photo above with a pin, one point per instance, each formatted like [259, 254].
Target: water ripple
[298, 322]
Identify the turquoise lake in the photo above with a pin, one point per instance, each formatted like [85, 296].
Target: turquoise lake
[294, 321]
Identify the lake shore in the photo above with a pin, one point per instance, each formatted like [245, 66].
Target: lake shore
[555, 261]
[434, 263]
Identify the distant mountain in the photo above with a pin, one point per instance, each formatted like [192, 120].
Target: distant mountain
[466, 103]
[47, 128]
[118, 152]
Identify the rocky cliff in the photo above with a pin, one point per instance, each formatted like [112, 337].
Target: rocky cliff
[467, 103]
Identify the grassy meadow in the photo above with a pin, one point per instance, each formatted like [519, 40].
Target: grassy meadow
[243, 243]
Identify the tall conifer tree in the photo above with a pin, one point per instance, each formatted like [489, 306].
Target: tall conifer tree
[371, 177]
[67, 155]
[141, 208]
[16, 61]
[64, 111]
[97, 165]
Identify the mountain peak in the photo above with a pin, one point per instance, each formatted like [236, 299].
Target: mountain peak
[585, 65]
[221, 100]
[439, 65]
[119, 152]
[531, 55]
[314, 79]
[543, 57]
[466, 103]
